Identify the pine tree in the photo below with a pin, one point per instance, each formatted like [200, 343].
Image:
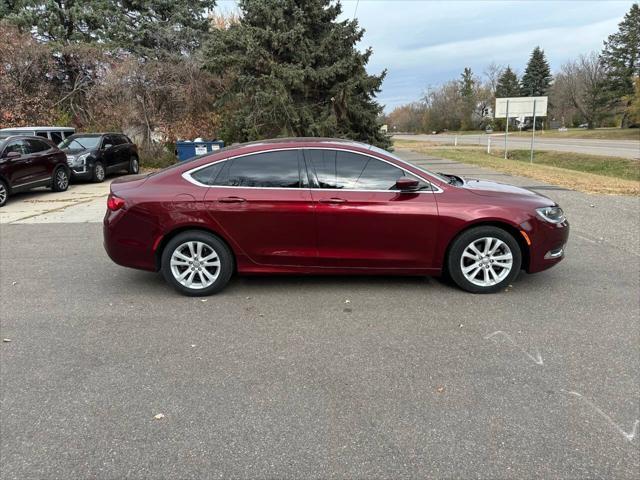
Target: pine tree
[467, 93]
[147, 28]
[508, 85]
[537, 76]
[294, 70]
[621, 57]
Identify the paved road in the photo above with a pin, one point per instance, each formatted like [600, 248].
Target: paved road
[614, 148]
[327, 377]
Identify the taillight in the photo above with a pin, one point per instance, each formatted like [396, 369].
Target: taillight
[114, 203]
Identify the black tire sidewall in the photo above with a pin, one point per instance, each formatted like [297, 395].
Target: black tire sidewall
[94, 176]
[54, 180]
[131, 169]
[464, 239]
[224, 254]
[6, 189]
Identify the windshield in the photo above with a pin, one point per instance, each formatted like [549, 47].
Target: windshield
[74, 143]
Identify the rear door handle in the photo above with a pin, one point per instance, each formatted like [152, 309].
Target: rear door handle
[335, 201]
[231, 200]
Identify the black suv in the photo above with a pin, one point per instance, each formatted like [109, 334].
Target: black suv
[30, 162]
[92, 156]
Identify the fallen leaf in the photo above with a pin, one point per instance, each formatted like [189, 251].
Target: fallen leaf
[203, 299]
[347, 301]
[6, 340]
[159, 416]
[14, 283]
[440, 389]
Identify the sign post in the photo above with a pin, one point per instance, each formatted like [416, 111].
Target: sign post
[533, 132]
[521, 107]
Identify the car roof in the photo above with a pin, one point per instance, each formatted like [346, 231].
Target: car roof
[36, 129]
[298, 142]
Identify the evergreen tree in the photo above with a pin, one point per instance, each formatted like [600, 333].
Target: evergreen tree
[621, 57]
[149, 28]
[467, 93]
[294, 70]
[508, 85]
[537, 76]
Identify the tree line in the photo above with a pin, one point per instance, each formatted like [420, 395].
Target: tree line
[162, 70]
[596, 89]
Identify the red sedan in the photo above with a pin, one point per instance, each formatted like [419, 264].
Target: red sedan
[326, 206]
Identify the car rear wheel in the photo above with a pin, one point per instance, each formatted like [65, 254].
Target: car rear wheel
[4, 193]
[134, 165]
[197, 263]
[484, 260]
[60, 180]
[98, 172]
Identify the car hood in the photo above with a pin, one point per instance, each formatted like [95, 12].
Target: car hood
[495, 189]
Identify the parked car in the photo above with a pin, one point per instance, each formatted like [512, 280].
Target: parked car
[92, 156]
[30, 162]
[55, 134]
[326, 206]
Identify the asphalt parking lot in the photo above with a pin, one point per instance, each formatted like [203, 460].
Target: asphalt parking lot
[317, 377]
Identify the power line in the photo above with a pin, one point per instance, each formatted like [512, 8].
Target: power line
[356, 9]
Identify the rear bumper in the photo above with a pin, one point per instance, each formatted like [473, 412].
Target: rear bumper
[548, 245]
[125, 248]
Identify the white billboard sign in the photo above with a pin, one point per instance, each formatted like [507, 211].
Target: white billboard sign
[521, 106]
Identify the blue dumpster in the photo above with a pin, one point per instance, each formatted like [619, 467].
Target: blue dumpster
[186, 150]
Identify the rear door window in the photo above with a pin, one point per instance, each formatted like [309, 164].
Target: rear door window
[279, 169]
[36, 146]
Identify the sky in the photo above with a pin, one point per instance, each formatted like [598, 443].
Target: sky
[424, 43]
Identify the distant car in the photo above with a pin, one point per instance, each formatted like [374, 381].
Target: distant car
[326, 206]
[55, 134]
[488, 130]
[583, 125]
[92, 156]
[29, 162]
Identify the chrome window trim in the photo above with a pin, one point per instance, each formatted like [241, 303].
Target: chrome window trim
[187, 175]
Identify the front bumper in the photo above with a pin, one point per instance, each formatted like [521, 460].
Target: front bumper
[548, 244]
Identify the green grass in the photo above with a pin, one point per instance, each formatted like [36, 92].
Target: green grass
[586, 173]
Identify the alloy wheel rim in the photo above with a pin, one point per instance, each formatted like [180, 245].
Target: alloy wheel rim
[486, 261]
[195, 265]
[134, 165]
[99, 172]
[3, 194]
[62, 180]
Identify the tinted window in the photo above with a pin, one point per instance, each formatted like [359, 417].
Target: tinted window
[42, 134]
[36, 146]
[56, 137]
[208, 175]
[347, 170]
[107, 140]
[15, 146]
[269, 169]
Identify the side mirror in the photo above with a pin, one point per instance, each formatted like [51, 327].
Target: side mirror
[12, 155]
[107, 146]
[406, 184]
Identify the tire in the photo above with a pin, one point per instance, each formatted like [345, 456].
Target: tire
[134, 166]
[204, 279]
[99, 172]
[484, 270]
[4, 193]
[60, 180]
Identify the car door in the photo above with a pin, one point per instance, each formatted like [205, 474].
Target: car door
[42, 161]
[108, 151]
[362, 221]
[263, 203]
[17, 169]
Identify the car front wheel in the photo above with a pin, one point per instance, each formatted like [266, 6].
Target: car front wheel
[484, 259]
[197, 263]
[98, 172]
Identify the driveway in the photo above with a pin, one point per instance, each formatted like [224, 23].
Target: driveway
[110, 374]
[613, 148]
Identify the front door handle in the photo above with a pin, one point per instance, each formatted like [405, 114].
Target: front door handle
[333, 200]
[231, 200]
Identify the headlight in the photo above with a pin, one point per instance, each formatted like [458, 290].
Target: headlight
[551, 214]
[82, 159]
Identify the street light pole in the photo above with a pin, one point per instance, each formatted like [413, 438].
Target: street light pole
[533, 133]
